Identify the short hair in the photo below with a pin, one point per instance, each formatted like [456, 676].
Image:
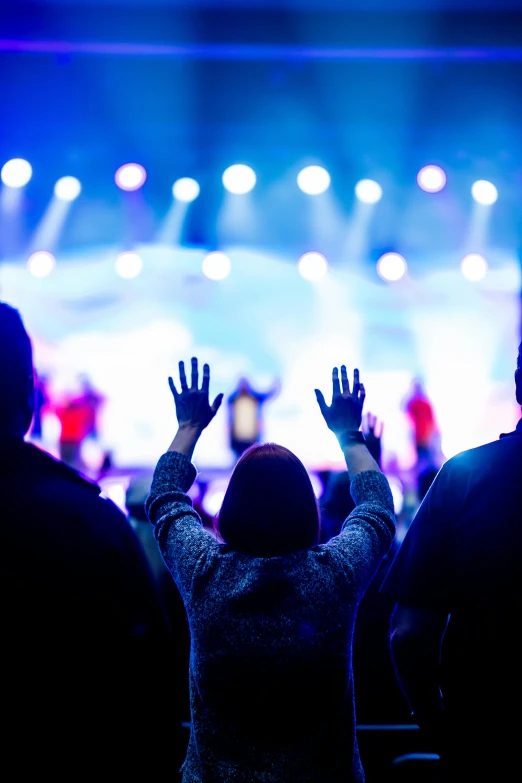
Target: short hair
[16, 365]
[269, 508]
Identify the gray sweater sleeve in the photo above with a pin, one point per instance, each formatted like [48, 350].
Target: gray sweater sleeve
[183, 542]
[367, 534]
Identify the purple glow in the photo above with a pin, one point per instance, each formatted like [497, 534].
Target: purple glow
[260, 52]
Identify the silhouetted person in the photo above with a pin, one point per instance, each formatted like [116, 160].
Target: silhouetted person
[456, 627]
[245, 406]
[83, 633]
[270, 610]
[377, 695]
[179, 705]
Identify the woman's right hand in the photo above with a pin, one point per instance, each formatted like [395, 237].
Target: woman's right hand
[345, 413]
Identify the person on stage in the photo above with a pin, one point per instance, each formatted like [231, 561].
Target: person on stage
[245, 406]
[422, 417]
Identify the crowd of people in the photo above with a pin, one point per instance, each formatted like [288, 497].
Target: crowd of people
[272, 610]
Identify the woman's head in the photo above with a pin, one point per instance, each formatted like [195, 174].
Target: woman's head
[269, 508]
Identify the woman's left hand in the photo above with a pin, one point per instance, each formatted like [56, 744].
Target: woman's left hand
[192, 405]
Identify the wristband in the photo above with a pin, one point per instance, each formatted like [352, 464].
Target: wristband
[349, 438]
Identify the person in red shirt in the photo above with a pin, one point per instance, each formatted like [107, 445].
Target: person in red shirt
[78, 420]
[420, 412]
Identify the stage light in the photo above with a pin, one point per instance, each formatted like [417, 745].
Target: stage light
[67, 189]
[391, 267]
[41, 263]
[239, 179]
[368, 191]
[129, 265]
[474, 267]
[484, 192]
[312, 266]
[431, 179]
[216, 266]
[313, 180]
[16, 173]
[130, 176]
[185, 189]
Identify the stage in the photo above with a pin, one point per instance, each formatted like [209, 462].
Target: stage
[265, 322]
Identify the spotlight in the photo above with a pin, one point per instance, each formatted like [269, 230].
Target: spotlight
[67, 189]
[130, 176]
[313, 180]
[391, 267]
[129, 265]
[185, 189]
[16, 173]
[239, 179]
[474, 267]
[216, 266]
[431, 179]
[368, 191]
[41, 263]
[484, 192]
[312, 266]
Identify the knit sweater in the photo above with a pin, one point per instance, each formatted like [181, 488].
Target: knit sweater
[270, 672]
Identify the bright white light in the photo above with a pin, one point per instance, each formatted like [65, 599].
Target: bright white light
[130, 176]
[67, 188]
[185, 189]
[474, 267]
[312, 266]
[317, 485]
[397, 490]
[129, 265]
[116, 490]
[16, 173]
[239, 179]
[391, 267]
[484, 192]
[41, 263]
[368, 191]
[92, 455]
[216, 266]
[213, 497]
[431, 179]
[313, 180]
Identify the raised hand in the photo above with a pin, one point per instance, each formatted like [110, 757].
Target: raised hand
[192, 405]
[345, 413]
[373, 430]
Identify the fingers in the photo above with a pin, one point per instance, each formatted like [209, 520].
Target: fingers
[321, 402]
[206, 378]
[344, 380]
[216, 404]
[194, 375]
[336, 386]
[182, 377]
[356, 384]
[173, 388]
